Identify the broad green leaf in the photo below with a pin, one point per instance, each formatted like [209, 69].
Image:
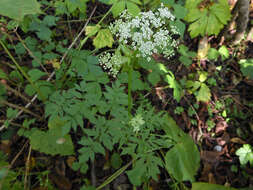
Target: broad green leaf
[36, 74]
[135, 175]
[198, 27]
[104, 38]
[224, 52]
[116, 161]
[202, 76]
[213, 25]
[52, 141]
[222, 11]
[179, 11]
[11, 113]
[50, 20]
[246, 66]
[245, 154]
[118, 8]
[181, 26]
[213, 54]
[204, 93]
[44, 33]
[17, 9]
[182, 161]
[209, 19]
[133, 8]
[209, 186]
[154, 78]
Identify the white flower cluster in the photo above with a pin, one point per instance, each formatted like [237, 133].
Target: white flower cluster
[148, 33]
[111, 63]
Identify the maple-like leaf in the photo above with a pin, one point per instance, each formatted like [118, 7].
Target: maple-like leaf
[208, 19]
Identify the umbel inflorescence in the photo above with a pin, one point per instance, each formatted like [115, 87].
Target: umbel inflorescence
[148, 33]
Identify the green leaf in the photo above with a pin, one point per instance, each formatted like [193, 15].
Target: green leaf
[135, 175]
[44, 33]
[246, 66]
[51, 141]
[91, 30]
[50, 20]
[104, 38]
[202, 76]
[116, 161]
[209, 186]
[204, 93]
[209, 19]
[3, 75]
[213, 54]
[180, 26]
[11, 113]
[154, 78]
[223, 52]
[118, 8]
[179, 11]
[182, 161]
[170, 79]
[133, 8]
[36, 74]
[245, 154]
[17, 9]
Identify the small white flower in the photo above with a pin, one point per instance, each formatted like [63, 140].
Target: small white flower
[112, 63]
[148, 33]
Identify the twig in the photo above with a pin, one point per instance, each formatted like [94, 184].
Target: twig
[62, 59]
[27, 167]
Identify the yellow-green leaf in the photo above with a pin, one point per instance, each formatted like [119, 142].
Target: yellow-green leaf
[91, 30]
[104, 38]
[204, 93]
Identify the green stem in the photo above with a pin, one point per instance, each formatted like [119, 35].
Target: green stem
[22, 71]
[130, 103]
[106, 14]
[114, 176]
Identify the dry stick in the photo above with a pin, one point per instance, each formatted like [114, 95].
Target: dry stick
[27, 167]
[18, 154]
[62, 59]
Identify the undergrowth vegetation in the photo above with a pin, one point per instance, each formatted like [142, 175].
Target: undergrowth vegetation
[124, 94]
